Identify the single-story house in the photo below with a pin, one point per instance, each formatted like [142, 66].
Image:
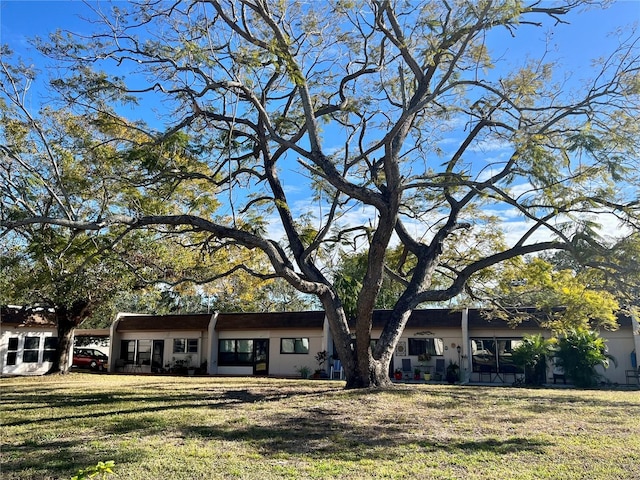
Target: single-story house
[29, 338]
[286, 343]
[219, 343]
[159, 343]
[283, 343]
[28, 341]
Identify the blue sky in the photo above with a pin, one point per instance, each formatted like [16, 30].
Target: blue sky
[21, 19]
[586, 37]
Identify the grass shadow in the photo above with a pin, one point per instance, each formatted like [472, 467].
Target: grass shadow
[303, 421]
[317, 434]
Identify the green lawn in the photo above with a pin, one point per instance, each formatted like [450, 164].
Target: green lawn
[201, 428]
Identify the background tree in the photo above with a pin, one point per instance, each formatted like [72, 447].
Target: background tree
[361, 100]
[47, 268]
[615, 269]
[44, 265]
[62, 164]
[348, 275]
[53, 163]
[565, 297]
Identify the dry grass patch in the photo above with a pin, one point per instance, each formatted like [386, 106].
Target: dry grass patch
[192, 428]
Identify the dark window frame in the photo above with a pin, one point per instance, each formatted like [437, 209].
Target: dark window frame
[235, 358]
[12, 350]
[12, 358]
[125, 354]
[421, 346]
[29, 340]
[143, 356]
[188, 345]
[297, 341]
[489, 358]
[50, 348]
[31, 353]
[137, 356]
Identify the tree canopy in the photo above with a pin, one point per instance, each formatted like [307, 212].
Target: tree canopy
[569, 300]
[378, 109]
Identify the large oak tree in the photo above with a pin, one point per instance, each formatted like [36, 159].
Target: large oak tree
[378, 107]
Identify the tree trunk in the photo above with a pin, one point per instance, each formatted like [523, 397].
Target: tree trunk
[375, 376]
[67, 319]
[363, 368]
[61, 361]
[369, 370]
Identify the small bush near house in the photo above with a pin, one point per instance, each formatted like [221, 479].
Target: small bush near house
[578, 353]
[532, 355]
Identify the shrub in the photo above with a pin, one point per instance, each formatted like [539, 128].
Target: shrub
[578, 352]
[532, 355]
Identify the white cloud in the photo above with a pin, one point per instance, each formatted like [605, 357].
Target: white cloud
[506, 213]
[610, 228]
[514, 231]
[512, 223]
[490, 145]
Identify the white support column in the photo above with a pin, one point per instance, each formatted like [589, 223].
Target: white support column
[326, 333]
[465, 364]
[212, 347]
[113, 339]
[635, 331]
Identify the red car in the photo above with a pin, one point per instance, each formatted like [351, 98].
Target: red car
[89, 358]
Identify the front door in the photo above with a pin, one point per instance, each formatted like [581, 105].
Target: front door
[261, 357]
[157, 356]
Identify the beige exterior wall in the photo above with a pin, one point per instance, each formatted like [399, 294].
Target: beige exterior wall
[279, 364]
[620, 344]
[169, 357]
[451, 338]
[288, 364]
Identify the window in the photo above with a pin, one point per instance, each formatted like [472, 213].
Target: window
[143, 356]
[136, 351]
[235, 352]
[128, 350]
[185, 345]
[505, 355]
[12, 351]
[31, 350]
[483, 355]
[294, 345]
[494, 355]
[421, 346]
[50, 346]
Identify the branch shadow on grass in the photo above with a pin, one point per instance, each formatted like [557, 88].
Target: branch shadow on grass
[55, 458]
[320, 436]
[114, 416]
[204, 398]
[316, 429]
